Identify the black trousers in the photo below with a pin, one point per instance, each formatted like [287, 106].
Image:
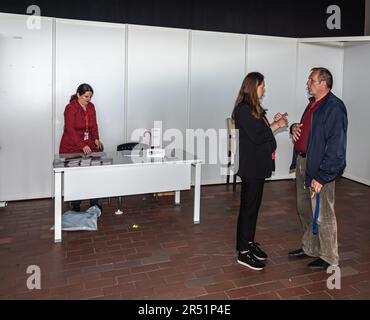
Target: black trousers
[250, 202]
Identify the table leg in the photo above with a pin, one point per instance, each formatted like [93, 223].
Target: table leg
[197, 194]
[58, 207]
[177, 197]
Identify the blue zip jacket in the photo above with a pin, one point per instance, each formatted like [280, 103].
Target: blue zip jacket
[327, 142]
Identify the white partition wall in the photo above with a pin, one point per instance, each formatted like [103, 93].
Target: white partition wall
[217, 71]
[25, 108]
[356, 96]
[186, 79]
[310, 55]
[276, 59]
[157, 73]
[93, 53]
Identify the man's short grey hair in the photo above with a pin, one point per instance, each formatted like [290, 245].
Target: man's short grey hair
[324, 75]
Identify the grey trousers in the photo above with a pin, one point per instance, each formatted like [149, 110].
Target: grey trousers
[324, 244]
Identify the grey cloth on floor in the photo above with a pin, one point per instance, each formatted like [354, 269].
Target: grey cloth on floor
[84, 220]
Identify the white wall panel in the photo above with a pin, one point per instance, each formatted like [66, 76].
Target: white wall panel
[157, 78]
[93, 53]
[356, 96]
[25, 108]
[317, 55]
[186, 79]
[276, 59]
[217, 71]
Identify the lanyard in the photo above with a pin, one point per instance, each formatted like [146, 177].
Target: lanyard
[266, 122]
[316, 216]
[273, 155]
[86, 120]
[86, 133]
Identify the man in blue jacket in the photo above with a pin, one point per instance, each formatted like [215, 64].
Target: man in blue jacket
[319, 158]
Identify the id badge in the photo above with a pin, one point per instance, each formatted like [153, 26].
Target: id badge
[86, 135]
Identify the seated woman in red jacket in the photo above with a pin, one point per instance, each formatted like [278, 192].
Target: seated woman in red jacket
[81, 132]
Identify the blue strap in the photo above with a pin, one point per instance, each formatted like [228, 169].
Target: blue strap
[317, 212]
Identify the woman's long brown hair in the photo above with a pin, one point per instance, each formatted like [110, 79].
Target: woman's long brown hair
[248, 95]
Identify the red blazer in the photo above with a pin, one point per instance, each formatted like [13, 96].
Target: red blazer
[75, 126]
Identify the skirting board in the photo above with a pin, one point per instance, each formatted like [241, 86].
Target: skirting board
[357, 179]
[223, 179]
[288, 177]
[20, 197]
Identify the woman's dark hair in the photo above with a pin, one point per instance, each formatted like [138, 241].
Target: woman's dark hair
[82, 89]
[248, 95]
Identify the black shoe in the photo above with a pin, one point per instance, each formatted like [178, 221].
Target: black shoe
[257, 252]
[298, 254]
[249, 260]
[76, 208]
[319, 264]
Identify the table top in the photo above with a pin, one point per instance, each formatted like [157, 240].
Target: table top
[64, 162]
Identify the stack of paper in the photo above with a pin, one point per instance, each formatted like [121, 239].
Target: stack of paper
[95, 162]
[73, 163]
[85, 162]
[107, 161]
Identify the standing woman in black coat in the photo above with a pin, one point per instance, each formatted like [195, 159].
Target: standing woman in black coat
[257, 146]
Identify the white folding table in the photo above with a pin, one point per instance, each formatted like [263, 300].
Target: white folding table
[123, 173]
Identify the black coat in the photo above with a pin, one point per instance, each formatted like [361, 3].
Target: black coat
[256, 145]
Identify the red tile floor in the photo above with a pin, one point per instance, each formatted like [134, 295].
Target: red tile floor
[168, 257]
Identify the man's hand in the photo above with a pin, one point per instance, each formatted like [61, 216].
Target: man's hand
[296, 131]
[316, 186]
